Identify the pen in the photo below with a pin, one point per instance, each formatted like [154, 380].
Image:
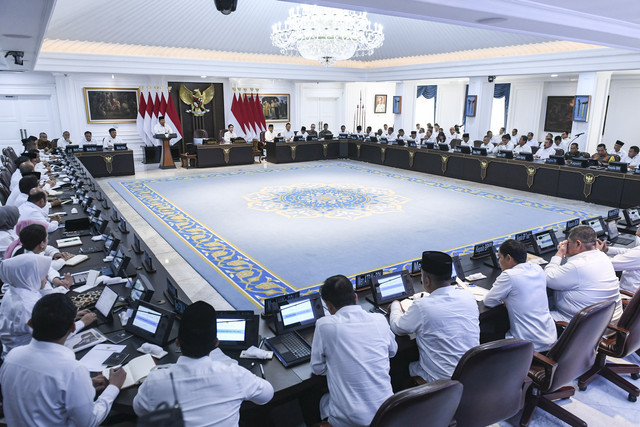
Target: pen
[261, 370]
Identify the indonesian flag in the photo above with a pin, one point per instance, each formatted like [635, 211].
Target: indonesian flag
[251, 123]
[148, 121]
[172, 119]
[142, 111]
[156, 111]
[244, 113]
[260, 114]
[236, 114]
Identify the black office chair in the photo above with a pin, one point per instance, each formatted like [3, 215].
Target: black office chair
[431, 404]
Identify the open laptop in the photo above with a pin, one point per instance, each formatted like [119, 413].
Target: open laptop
[613, 234]
[291, 318]
[237, 330]
[105, 304]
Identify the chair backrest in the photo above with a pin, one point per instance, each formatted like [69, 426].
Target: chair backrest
[630, 320]
[262, 136]
[477, 143]
[559, 152]
[221, 134]
[5, 177]
[54, 142]
[493, 375]
[575, 350]
[200, 133]
[11, 153]
[4, 194]
[431, 404]
[454, 143]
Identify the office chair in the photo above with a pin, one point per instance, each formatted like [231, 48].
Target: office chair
[624, 341]
[494, 376]
[572, 355]
[431, 404]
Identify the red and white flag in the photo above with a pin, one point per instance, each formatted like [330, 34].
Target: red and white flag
[171, 117]
[148, 121]
[142, 111]
[236, 116]
[262, 124]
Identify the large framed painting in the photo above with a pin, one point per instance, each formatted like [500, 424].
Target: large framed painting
[559, 114]
[276, 107]
[107, 105]
[381, 104]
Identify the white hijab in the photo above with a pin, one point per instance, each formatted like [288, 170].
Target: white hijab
[25, 272]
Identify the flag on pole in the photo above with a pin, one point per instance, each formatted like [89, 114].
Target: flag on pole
[171, 116]
[237, 114]
[253, 117]
[142, 111]
[260, 114]
[148, 119]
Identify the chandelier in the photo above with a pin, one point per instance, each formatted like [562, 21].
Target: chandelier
[326, 35]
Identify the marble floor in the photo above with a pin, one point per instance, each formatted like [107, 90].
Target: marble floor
[602, 404]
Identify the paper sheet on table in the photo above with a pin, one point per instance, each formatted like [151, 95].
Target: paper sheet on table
[407, 302]
[536, 259]
[478, 292]
[98, 354]
[475, 276]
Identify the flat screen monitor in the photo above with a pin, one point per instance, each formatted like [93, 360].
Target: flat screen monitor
[465, 149]
[617, 167]
[632, 216]
[505, 154]
[613, 214]
[298, 313]
[570, 224]
[430, 145]
[111, 244]
[328, 136]
[106, 301]
[391, 287]
[150, 323]
[544, 241]
[443, 147]
[142, 289]
[479, 151]
[237, 330]
[555, 160]
[597, 224]
[528, 157]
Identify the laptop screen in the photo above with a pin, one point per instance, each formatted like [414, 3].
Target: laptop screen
[147, 319]
[231, 329]
[298, 312]
[391, 287]
[612, 229]
[544, 240]
[106, 301]
[596, 224]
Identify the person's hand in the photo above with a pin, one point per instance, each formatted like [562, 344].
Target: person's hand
[64, 255]
[82, 313]
[601, 245]
[67, 281]
[117, 377]
[562, 249]
[88, 318]
[99, 382]
[55, 202]
[56, 218]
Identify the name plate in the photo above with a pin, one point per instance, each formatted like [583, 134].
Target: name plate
[617, 167]
[482, 250]
[479, 151]
[524, 237]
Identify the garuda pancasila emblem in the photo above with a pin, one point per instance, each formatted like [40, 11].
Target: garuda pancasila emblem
[196, 100]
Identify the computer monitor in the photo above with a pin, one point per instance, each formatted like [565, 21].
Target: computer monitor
[147, 263]
[430, 145]
[555, 160]
[579, 162]
[570, 224]
[479, 151]
[298, 313]
[172, 291]
[271, 304]
[237, 330]
[632, 216]
[141, 289]
[111, 244]
[617, 167]
[136, 246]
[391, 287]
[505, 154]
[443, 147]
[528, 157]
[106, 301]
[464, 149]
[544, 241]
[613, 214]
[150, 323]
[597, 224]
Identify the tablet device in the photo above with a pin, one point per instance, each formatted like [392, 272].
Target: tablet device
[298, 313]
[106, 301]
[391, 287]
[363, 281]
[632, 215]
[544, 242]
[237, 330]
[111, 244]
[150, 323]
[271, 304]
[613, 215]
[597, 224]
[141, 289]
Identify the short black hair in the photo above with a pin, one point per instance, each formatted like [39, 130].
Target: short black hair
[574, 143]
[634, 148]
[86, 132]
[198, 330]
[160, 117]
[601, 146]
[557, 138]
[517, 250]
[32, 235]
[52, 317]
[112, 130]
[37, 195]
[28, 182]
[20, 160]
[270, 125]
[391, 128]
[585, 234]
[338, 290]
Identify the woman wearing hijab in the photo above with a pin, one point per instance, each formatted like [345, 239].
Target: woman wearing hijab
[26, 276]
[49, 250]
[8, 219]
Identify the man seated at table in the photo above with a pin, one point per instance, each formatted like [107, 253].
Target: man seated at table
[359, 131]
[65, 140]
[574, 151]
[112, 139]
[632, 158]
[288, 133]
[34, 240]
[312, 131]
[161, 127]
[87, 139]
[523, 288]
[488, 145]
[37, 208]
[352, 348]
[391, 134]
[523, 146]
[618, 151]
[343, 129]
[269, 135]
[303, 133]
[48, 386]
[602, 156]
[400, 136]
[585, 279]
[546, 151]
[229, 134]
[445, 322]
[626, 260]
[325, 131]
[209, 385]
[43, 142]
[413, 136]
[559, 144]
[530, 141]
[20, 194]
[466, 141]
[505, 144]
[429, 137]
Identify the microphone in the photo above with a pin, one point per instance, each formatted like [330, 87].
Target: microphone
[581, 133]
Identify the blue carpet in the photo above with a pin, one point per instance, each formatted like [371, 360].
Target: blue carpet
[257, 233]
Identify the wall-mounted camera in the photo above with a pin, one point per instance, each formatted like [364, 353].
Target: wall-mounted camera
[226, 6]
[17, 56]
[491, 79]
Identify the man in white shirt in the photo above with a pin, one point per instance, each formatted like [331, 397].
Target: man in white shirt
[87, 139]
[229, 134]
[559, 144]
[505, 144]
[429, 137]
[566, 140]
[20, 194]
[618, 151]
[269, 135]
[546, 151]
[445, 322]
[523, 288]
[532, 142]
[632, 157]
[65, 140]
[486, 143]
[494, 139]
[25, 167]
[421, 133]
[585, 279]
[209, 385]
[303, 133]
[466, 141]
[514, 136]
[400, 136]
[359, 131]
[452, 135]
[161, 127]
[113, 138]
[36, 208]
[35, 240]
[343, 129]
[61, 394]
[352, 348]
[523, 146]
[626, 260]
[288, 133]
[369, 132]
[390, 135]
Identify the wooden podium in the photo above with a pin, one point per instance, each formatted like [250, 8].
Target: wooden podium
[166, 161]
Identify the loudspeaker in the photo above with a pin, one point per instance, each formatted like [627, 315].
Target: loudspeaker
[226, 6]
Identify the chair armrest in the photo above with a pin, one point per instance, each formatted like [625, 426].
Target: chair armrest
[548, 365]
[418, 380]
[627, 293]
[611, 347]
[562, 323]
[560, 327]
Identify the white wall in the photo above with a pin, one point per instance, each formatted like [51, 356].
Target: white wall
[369, 91]
[623, 112]
[321, 103]
[525, 102]
[450, 104]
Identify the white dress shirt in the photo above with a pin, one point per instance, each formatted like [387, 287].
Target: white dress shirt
[304, 135]
[634, 162]
[469, 143]
[268, 136]
[288, 135]
[49, 387]
[446, 326]
[544, 153]
[228, 135]
[85, 142]
[585, 279]
[522, 149]
[532, 143]
[15, 179]
[16, 198]
[210, 389]
[622, 153]
[523, 288]
[390, 136]
[627, 260]
[159, 129]
[29, 210]
[109, 141]
[352, 348]
[496, 139]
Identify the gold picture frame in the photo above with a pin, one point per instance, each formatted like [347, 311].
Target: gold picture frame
[276, 107]
[111, 105]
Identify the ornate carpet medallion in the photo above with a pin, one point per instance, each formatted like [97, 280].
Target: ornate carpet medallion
[343, 201]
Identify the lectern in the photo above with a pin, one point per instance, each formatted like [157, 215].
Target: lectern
[166, 161]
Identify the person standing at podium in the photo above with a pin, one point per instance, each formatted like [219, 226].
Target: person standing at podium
[108, 141]
[161, 127]
[229, 135]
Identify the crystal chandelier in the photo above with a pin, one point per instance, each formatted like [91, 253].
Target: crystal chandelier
[326, 35]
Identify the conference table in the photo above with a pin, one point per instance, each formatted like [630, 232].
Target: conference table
[107, 163]
[212, 155]
[587, 184]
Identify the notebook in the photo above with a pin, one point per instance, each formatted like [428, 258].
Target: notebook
[137, 370]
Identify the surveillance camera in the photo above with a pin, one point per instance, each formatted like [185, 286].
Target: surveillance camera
[226, 6]
[491, 79]
[17, 56]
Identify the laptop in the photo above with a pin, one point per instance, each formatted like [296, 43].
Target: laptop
[390, 287]
[105, 304]
[291, 318]
[237, 330]
[77, 227]
[614, 235]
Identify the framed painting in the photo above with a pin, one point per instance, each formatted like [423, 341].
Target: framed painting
[559, 114]
[397, 104]
[380, 104]
[109, 105]
[470, 105]
[581, 108]
[276, 107]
